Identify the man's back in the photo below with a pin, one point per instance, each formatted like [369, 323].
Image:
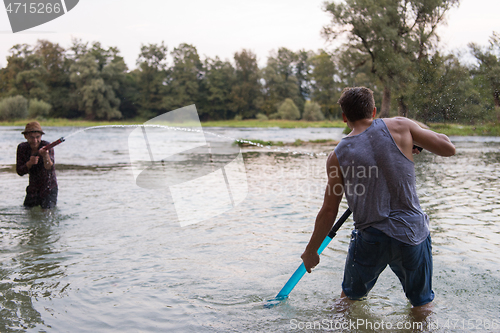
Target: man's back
[379, 184]
[371, 250]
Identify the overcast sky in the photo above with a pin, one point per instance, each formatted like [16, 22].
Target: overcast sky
[222, 27]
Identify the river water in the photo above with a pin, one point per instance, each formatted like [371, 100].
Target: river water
[112, 256]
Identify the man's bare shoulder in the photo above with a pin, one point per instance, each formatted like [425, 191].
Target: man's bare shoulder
[420, 134]
[404, 122]
[397, 124]
[396, 120]
[332, 160]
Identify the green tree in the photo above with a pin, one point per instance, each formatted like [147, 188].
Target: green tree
[4, 82]
[246, 94]
[97, 74]
[12, 108]
[287, 110]
[183, 85]
[151, 78]
[96, 99]
[25, 73]
[130, 96]
[387, 34]
[444, 92]
[489, 67]
[38, 109]
[56, 78]
[280, 80]
[219, 79]
[303, 70]
[325, 90]
[312, 112]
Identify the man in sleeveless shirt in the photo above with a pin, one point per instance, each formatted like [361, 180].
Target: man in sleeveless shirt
[38, 162]
[373, 166]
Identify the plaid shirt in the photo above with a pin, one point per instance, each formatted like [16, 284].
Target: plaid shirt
[41, 180]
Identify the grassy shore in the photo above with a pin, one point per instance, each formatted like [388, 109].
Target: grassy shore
[488, 129]
[274, 123]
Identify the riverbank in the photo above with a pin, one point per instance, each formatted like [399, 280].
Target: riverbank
[488, 129]
[221, 123]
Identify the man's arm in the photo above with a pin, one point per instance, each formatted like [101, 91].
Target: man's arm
[407, 133]
[48, 157]
[22, 164]
[327, 214]
[434, 142]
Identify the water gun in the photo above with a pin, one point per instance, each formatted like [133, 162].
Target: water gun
[53, 144]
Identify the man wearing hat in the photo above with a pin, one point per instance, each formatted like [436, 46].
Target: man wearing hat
[38, 162]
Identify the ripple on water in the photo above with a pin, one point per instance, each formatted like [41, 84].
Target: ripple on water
[113, 257]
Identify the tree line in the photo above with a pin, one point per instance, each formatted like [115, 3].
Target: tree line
[390, 46]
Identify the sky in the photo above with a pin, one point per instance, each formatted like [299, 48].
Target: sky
[223, 27]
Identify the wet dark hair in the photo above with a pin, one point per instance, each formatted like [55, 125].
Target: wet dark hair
[357, 103]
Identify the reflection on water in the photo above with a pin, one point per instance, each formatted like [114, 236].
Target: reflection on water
[31, 265]
[112, 256]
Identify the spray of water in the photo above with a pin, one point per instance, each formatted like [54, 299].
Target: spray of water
[188, 129]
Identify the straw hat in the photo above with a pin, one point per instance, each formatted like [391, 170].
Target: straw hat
[33, 127]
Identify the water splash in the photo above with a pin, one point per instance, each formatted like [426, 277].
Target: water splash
[284, 150]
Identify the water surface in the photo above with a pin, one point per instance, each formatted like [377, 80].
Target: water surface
[112, 257]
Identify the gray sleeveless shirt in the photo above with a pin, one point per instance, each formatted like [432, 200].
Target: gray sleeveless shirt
[379, 184]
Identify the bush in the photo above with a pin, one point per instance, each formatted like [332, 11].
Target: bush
[261, 117]
[12, 108]
[288, 110]
[312, 112]
[38, 109]
[238, 117]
